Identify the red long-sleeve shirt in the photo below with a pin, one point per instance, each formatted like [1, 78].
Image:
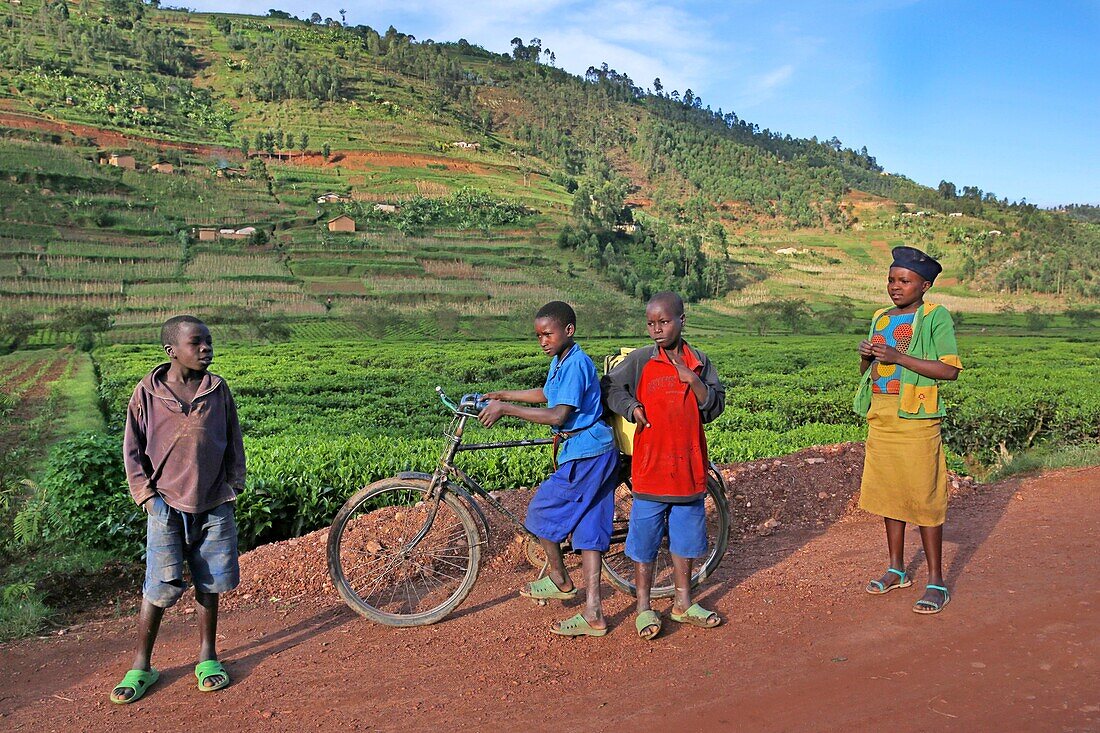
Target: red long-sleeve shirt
[670, 456]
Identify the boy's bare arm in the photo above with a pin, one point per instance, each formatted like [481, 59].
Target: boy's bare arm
[526, 396]
[555, 416]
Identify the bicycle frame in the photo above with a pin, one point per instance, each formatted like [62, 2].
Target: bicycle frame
[446, 470]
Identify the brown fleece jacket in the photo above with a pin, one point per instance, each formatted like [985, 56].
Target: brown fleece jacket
[193, 460]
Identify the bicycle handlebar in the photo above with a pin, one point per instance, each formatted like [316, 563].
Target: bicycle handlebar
[470, 404]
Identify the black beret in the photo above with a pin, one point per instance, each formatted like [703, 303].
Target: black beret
[913, 259]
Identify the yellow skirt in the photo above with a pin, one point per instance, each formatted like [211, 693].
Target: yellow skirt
[905, 469]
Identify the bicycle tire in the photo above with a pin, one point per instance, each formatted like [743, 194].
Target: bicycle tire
[379, 517]
[618, 569]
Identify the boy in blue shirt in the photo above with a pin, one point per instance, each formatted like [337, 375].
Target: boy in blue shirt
[579, 497]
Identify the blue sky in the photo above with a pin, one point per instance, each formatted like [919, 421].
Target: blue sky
[1001, 95]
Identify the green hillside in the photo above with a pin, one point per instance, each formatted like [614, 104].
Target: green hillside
[480, 185]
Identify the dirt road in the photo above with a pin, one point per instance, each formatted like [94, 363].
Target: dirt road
[803, 647]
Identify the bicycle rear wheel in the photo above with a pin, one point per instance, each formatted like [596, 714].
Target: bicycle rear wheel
[619, 569]
[381, 575]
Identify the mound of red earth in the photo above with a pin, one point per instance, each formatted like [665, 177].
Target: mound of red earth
[808, 490]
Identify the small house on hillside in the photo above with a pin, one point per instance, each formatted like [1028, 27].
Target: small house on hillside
[163, 167]
[955, 214]
[342, 223]
[466, 145]
[243, 233]
[210, 234]
[123, 161]
[331, 198]
[386, 208]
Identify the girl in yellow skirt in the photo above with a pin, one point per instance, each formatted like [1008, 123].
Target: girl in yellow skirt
[910, 347]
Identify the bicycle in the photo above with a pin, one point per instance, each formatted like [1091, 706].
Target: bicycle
[405, 551]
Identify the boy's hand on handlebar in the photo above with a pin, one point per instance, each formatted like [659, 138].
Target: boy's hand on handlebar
[491, 412]
[493, 396]
[639, 417]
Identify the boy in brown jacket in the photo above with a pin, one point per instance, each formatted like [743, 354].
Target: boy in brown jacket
[185, 466]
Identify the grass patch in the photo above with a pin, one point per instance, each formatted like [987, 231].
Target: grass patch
[81, 402]
[22, 610]
[1047, 457]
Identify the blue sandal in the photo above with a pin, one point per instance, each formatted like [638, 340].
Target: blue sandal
[930, 607]
[876, 588]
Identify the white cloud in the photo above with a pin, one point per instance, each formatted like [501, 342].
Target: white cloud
[774, 78]
[641, 38]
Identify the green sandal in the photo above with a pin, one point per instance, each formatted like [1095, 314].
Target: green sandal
[137, 680]
[697, 616]
[544, 589]
[647, 620]
[876, 588]
[577, 626]
[930, 607]
[211, 668]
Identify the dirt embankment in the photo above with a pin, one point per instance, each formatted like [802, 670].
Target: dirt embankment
[107, 139]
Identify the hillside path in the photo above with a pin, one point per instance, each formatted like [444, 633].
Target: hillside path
[803, 647]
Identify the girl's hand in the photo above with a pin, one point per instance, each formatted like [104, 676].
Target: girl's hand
[865, 349]
[491, 412]
[885, 354]
[639, 417]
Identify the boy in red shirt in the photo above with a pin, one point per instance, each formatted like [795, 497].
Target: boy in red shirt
[669, 391]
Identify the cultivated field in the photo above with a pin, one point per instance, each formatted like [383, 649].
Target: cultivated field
[321, 419]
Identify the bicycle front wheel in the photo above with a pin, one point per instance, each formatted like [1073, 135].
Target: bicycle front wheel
[379, 568]
[619, 569]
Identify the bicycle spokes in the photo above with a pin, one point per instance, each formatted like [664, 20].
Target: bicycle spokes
[402, 560]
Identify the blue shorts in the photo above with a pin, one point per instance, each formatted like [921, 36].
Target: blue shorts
[650, 521]
[578, 499]
[206, 541]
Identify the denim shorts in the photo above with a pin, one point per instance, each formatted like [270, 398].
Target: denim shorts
[578, 499]
[206, 542]
[650, 521]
